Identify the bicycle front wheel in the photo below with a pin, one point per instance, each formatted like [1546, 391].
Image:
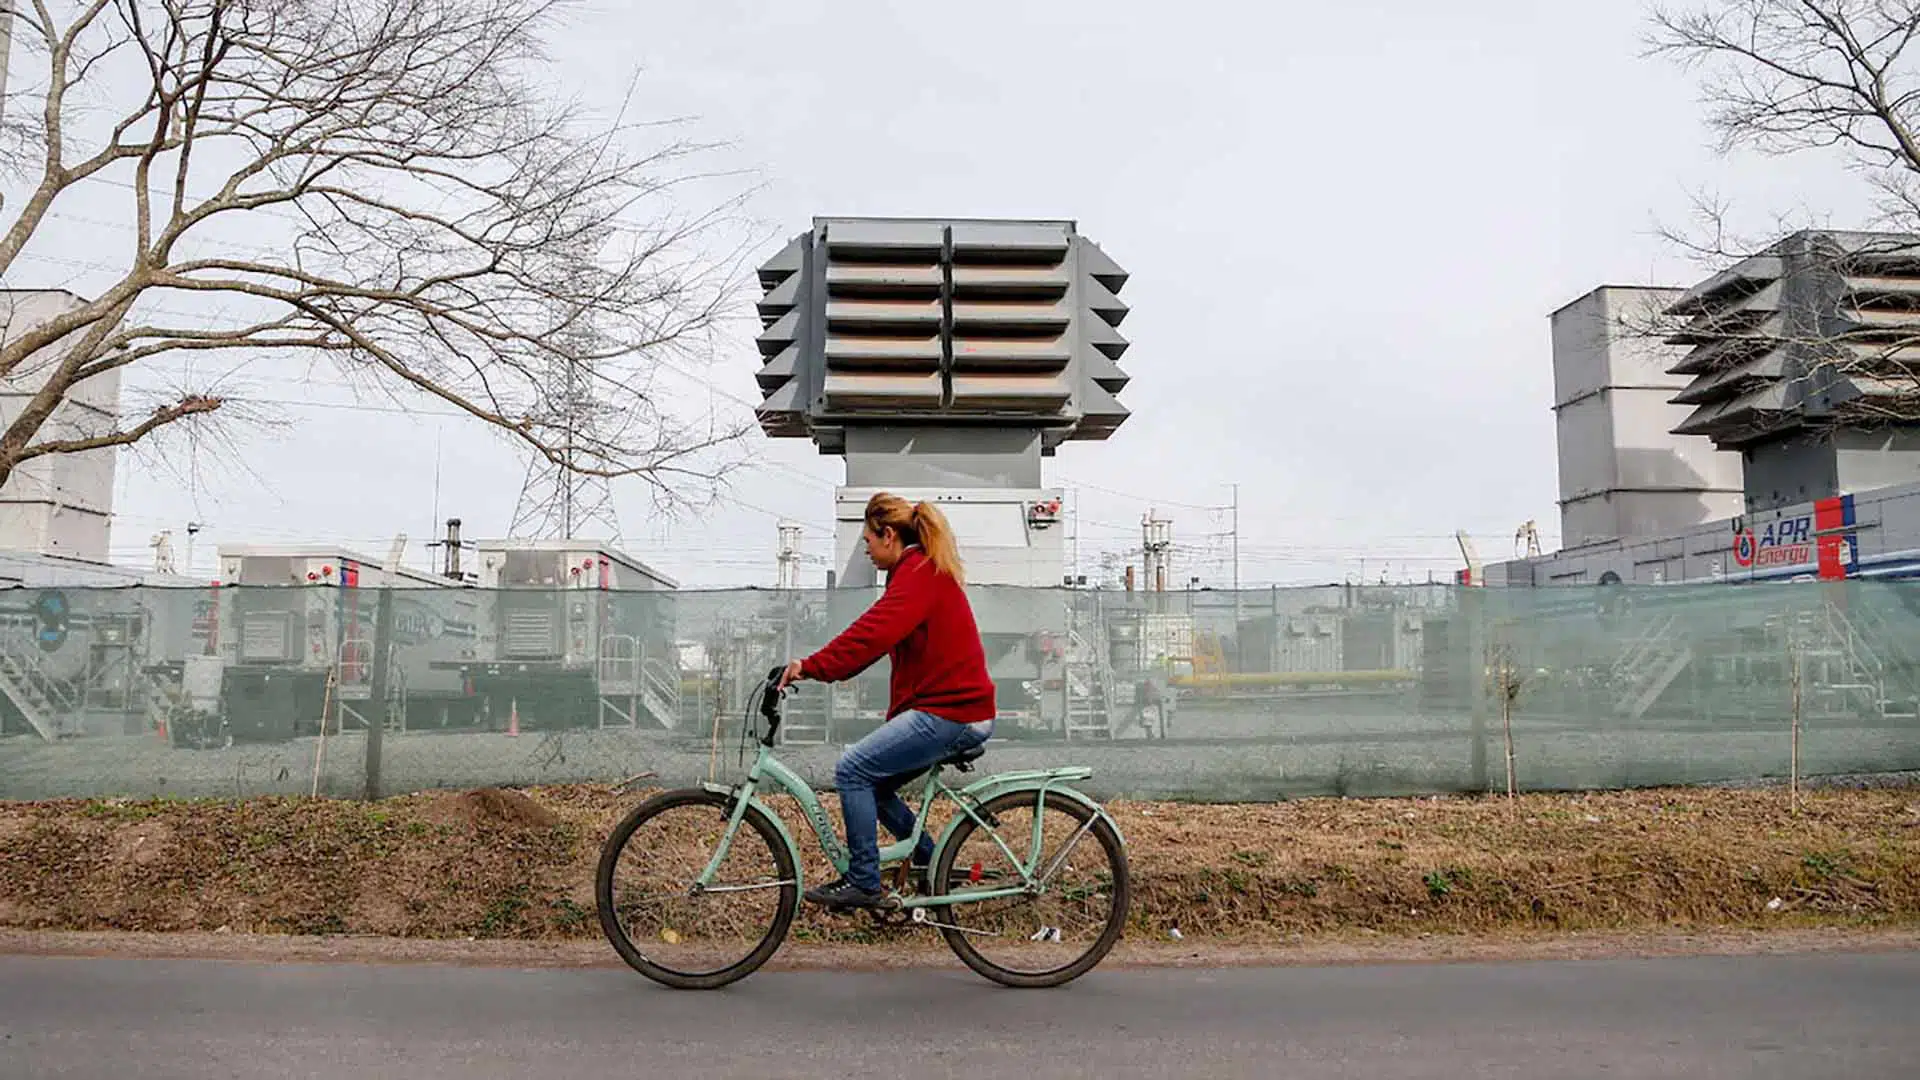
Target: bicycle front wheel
[1046, 938]
[673, 933]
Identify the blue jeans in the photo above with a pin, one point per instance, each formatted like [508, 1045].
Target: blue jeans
[868, 779]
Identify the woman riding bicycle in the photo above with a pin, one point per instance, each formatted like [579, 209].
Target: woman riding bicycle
[940, 699]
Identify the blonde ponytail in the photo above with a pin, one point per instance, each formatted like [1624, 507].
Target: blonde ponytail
[918, 523]
[936, 539]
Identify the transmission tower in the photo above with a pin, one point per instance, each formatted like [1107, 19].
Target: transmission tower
[557, 503]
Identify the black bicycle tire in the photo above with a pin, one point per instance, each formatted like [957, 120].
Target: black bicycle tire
[617, 934]
[1116, 922]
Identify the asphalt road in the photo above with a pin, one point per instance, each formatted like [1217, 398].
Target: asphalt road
[1802, 1017]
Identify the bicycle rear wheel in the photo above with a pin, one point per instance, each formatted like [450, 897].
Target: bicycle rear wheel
[1035, 940]
[661, 926]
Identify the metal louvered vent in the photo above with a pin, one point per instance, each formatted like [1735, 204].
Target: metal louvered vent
[529, 632]
[932, 322]
[1820, 329]
[266, 637]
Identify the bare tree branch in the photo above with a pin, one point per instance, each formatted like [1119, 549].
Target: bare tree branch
[194, 405]
[452, 234]
[1819, 328]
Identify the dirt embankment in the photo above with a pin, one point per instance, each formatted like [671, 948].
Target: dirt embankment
[519, 865]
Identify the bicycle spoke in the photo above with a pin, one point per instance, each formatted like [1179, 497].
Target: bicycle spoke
[1073, 909]
[1053, 868]
[689, 931]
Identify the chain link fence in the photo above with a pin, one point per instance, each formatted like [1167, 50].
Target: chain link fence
[1205, 695]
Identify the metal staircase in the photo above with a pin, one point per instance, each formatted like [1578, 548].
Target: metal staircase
[1087, 714]
[660, 692]
[633, 690]
[1900, 666]
[46, 704]
[617, 681]
[161, 700]
[1648, 666]
[1843, 675]
[1088, 681]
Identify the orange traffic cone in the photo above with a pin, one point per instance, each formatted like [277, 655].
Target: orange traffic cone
[513, 719]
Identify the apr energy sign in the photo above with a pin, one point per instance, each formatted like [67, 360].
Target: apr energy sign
[1821, 541]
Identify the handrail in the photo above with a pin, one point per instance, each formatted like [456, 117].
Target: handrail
[33, 670]
[655, 676]
[619, 659]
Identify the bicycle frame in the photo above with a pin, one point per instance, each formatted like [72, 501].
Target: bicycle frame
[768, 768]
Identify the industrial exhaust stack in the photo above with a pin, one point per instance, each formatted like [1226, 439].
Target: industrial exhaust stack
[450, 556]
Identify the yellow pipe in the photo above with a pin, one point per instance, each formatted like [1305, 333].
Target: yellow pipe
[1292, 678]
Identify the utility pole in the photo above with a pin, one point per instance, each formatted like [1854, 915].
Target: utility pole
[1073, 516]
[1157, 545]
[1236, 559]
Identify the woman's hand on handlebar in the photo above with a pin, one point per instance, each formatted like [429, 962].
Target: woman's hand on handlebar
[789, 676]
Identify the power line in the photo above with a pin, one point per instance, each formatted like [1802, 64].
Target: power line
[1152, 500]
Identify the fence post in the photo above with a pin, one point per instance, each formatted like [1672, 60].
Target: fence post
[382, 676]
[1473, 610]
[1793, 768]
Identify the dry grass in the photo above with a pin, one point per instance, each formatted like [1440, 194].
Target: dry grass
[496, 864]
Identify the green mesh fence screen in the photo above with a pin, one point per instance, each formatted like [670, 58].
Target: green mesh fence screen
[1195, 695]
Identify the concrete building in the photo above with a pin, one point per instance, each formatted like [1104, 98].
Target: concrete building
[1800, 360]
[1624, 472]
[61, 504]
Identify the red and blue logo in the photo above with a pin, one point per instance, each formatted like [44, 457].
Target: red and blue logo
[1823, 539]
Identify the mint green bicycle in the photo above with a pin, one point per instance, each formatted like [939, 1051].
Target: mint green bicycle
[697, 887]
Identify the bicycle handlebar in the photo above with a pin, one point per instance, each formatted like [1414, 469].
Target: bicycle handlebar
[770, 703]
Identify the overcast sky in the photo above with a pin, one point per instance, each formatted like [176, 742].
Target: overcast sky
[1345, 231]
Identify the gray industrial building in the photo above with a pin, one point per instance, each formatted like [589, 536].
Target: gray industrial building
[1622, 471]
[1788, 374]
[62, 504]
[1744, 429]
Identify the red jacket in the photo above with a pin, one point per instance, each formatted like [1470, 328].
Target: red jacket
[924, 623]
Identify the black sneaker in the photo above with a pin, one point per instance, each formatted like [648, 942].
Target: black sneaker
[919, 874]
[841, 893]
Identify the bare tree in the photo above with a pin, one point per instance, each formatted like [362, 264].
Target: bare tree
[1820, 325]
[453, 235]
[1784, 76]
